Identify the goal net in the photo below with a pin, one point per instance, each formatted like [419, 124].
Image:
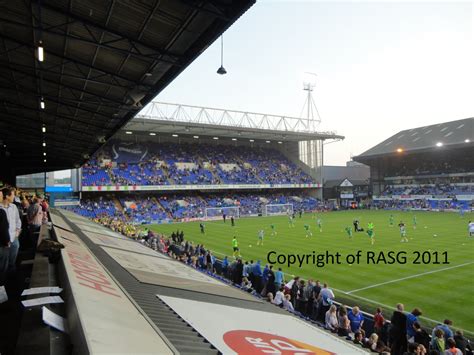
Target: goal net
[280, 209]
[217, 212]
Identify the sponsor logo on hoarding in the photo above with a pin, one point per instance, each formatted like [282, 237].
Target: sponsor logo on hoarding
[253, 342]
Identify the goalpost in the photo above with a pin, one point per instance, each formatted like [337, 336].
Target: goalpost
[278, 209]
[217, 212]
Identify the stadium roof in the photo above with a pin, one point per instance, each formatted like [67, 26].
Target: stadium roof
[185, 120]
[454, 134]
[103, 61]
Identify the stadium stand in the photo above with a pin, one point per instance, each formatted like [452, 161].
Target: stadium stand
[125, 163]
[428, 167]
[160, 208]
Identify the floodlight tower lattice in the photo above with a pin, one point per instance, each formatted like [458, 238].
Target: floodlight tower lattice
[311, 152]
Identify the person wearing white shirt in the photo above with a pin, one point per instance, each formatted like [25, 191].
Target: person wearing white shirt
[14, 223]
[279, 297]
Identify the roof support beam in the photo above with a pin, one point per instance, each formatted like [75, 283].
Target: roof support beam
[173, 58]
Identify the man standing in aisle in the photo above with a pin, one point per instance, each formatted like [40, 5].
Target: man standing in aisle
[14, 224]
[4, 243]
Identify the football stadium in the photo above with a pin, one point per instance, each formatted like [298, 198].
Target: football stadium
[132, 225]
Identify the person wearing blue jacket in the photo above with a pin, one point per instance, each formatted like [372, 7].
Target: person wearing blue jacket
[257, 274]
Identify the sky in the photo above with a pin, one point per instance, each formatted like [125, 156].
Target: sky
[381, 67]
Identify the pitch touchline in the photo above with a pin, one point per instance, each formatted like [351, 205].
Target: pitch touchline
[408, 277]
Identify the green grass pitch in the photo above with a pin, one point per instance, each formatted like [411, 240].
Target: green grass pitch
[440, 290]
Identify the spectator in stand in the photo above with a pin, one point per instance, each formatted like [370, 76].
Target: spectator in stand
[302, 300]
[437, 342]
[421, 335]
[279, 297]
[279, 280]
[35, 215]
[316, 291]
[358, 338]
[378, 321]
[462, 343]
[257, 274]
[271, 281]
[411, 349]
[398, 331]
[356, 319]
[372, 342]
[294, 290]
[448, 333]
[344, 324]
[309, 295]
[4, 243]
[246, 285]
[331, 322]
[287, 304]
[14, 224]
[325, 299]
[451, 348]
[411, 319]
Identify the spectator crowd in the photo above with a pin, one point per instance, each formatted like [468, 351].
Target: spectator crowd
[184, 164]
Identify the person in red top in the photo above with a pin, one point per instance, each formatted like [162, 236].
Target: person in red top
[378, 321]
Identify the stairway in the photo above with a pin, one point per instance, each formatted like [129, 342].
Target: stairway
[158, 203]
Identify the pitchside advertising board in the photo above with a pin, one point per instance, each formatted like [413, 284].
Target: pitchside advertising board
[110, 322]
[195, 187]
[234, 330]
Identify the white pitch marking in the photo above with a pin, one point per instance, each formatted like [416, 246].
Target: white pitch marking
[409, 277]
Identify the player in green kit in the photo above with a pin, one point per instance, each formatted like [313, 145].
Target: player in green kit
[414, 221]
[403, 232]
[273, 228]
[371, 233]
[308, 231]
[260, 237]
[391, 220]
[349, 231]
[291, 223]
[235, 247]
[319, 222]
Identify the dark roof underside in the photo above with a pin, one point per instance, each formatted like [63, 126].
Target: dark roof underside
[451, 134]
[104, 60]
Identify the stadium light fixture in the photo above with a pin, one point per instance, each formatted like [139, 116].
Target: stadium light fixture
[152, 134]
[215, 138]
[174, 135]
[43, 129]
[399, 150]
[234, 139]
[44, 144]
[42, 104]
[280, 142]
[221, 69]
[439, 144]
[44, 160]
[467, 141]
[128, 132]
[44, 153]
[196, 137]
[40, 51]
[267, 141]
[251, 140]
